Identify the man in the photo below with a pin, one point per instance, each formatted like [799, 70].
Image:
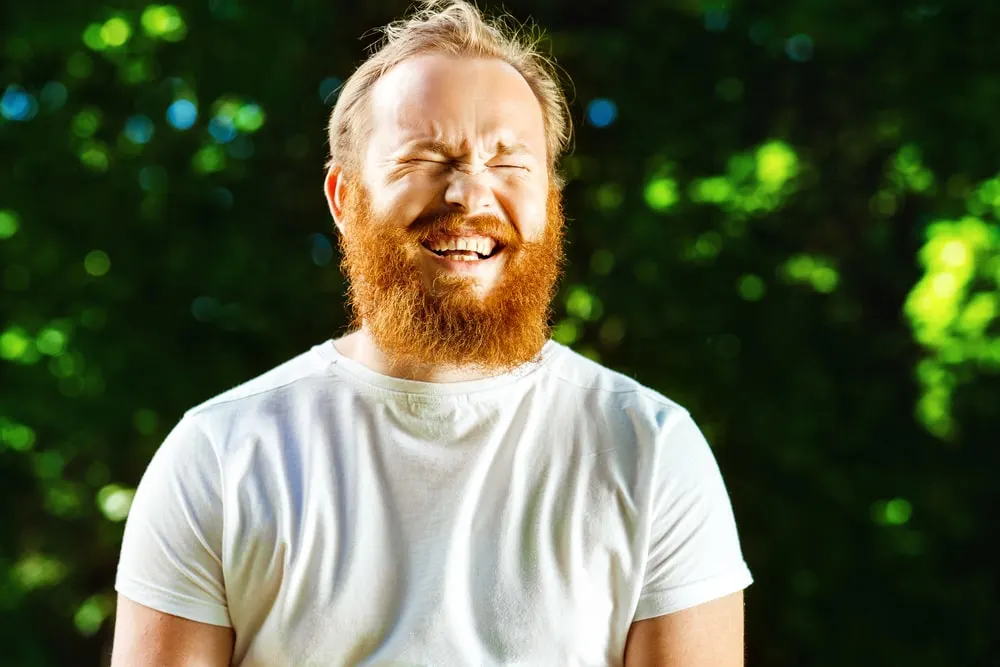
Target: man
[444, 485]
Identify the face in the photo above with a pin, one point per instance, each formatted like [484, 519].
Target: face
[451, 233]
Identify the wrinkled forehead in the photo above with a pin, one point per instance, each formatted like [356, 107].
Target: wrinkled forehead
[465, 102]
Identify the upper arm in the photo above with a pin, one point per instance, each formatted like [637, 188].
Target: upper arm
[172, 548]
[706, 635]
[145, 637]
[694, 552]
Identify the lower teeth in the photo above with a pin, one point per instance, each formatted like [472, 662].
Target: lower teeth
[462, 257]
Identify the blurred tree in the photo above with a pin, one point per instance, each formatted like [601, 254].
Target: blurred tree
[784, 217]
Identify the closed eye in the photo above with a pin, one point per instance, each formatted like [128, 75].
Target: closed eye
[507, 166]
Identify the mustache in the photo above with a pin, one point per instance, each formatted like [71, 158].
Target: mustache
[454, 224]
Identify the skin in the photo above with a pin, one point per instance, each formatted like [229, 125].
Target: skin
[438, 147]
[478, 148]
[708, 635]
[147, 638]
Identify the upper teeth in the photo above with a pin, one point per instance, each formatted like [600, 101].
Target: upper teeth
[479, 244]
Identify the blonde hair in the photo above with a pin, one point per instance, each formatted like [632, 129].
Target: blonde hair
[453, 28]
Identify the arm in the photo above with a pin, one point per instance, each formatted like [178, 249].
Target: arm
[148, 638]
[690, 611]
[172, 607]
[707, 635]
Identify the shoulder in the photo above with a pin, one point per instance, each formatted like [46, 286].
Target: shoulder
[584, 378]
[613, 401]
[273, 391]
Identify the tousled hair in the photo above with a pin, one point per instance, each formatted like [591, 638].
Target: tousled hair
[453, 28]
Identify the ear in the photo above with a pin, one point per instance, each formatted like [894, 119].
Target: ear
[333, 188]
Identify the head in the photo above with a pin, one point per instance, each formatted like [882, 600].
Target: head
[442, 182]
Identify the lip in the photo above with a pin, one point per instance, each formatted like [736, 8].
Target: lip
[465, 267]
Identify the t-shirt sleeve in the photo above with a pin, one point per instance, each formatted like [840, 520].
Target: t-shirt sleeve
[171, 556]
[694, 550]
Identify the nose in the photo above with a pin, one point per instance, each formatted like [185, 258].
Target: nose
[468, 194]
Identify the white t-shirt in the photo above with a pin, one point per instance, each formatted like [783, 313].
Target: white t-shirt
[335, 516]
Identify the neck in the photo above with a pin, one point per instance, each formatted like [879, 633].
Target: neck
[359, 346]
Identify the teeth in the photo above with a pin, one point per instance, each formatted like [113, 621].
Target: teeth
[483, 246]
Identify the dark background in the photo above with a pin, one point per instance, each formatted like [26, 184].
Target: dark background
[783, 216]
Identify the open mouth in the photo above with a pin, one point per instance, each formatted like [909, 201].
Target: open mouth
[464, 249]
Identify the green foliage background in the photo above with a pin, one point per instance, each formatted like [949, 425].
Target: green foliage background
[790, 227]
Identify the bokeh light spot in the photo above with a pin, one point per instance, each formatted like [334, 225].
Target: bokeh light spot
[114, 501]
[612, 331]
[51, 342]
[53, 95]
[182, 114]
[249, 118]
[706, 247]
[601, 112]
[49, 464]
[94, 156]
[955, 254]
[799, 48]
[825, 279]
[730, 90]
[14, 343]
[751, 287]
[204, 308]
[776, 164]
[38, 571]
[90, 615]
[145, 421]
[894, 512]
[209, 159]
[153, 178]
[139, 129]
[566, 331]
[583, 304]
[716, 20]
[163, 22]
[609, 197]
[97, 263]
[661, 194]
[222, 129]
[86, 122]
[115, 32]
[320, 249]
[18, 437]
[92, 37]
[18, 105]
[602, 261]
[8, 224]
[61, 498]
[714, 190]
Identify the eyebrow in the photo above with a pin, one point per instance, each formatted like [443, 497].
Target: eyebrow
[442, 148]
[516, 149]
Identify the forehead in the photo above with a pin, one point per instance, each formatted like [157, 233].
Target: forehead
[460, 101]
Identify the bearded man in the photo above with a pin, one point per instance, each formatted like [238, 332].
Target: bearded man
[444, 485]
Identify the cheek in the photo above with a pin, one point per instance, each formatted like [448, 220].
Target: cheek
[526, 207]
[402, 202]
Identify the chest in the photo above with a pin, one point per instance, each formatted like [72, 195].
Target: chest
[497, 551]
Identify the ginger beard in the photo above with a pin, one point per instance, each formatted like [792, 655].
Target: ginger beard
[449, 323]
